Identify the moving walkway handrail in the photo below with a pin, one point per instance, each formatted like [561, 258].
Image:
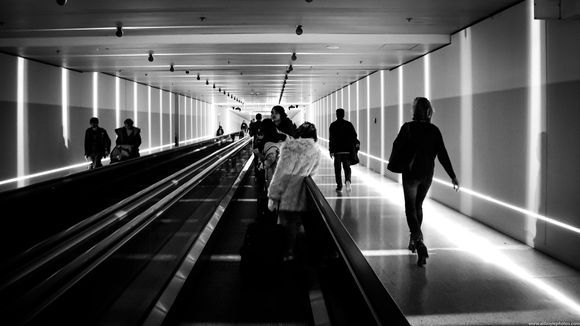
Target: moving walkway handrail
[384, 309]
[92, 225]
[75, 270]
[108, 168]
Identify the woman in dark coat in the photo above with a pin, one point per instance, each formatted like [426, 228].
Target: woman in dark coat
[424, 142]
[282, 122]
[129, 137]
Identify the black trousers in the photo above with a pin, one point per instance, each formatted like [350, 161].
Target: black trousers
[415, 191]
[341, 159]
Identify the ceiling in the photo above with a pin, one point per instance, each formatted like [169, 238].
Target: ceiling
[243, 47]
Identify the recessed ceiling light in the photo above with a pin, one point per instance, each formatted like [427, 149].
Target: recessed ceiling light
[333, 47]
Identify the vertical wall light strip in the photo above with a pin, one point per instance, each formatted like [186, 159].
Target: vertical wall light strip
[535, 122]
[118, 101]
[171, 99]
[466, 202]
[357, 107]
[135, 116]
[185, 118]
[401, 104]
[196, 121]
[20, 132]
[342, 98]
[64, 106]
[427, 68]
[160, 117]
[382, 122]
[348, 90]
[149, 131]
[401, 100]
[95, 94]
[191, 136]
[368, 120]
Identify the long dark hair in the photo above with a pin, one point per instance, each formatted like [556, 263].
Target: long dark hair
[271, 134]
[422, 109]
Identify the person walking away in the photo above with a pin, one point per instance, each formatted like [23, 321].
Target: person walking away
[299, 158]
[254, 127]
[342, 143]
[97, 143]
[244, 128]
[129, 138]
[282, 122]
[423, 140]
[220, 131]
[273, 141]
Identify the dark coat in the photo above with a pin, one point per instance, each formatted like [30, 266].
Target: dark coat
[254, 127]
[287, 126]
[133, 140]
[343, 137]
[97, 142]
[425, 141]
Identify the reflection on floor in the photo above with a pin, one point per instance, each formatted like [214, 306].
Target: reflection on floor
[474, 276]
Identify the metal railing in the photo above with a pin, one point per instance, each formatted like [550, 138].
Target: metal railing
[380, 304]
[68, 273]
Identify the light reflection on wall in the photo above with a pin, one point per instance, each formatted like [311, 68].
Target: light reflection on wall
[536, 120]
[64, 106]
[95, 94]
[382, 121]
[160, 117]
[466, 172]
[117, 101]
[135, 116]
[21, 130]
[149, 115]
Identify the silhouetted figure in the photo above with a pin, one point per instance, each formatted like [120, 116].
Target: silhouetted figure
[273, 141]
[254, 127]
[282, 122]
[128, 142]
[97, 143]
[343, 138]
[299, 158]
[414, 152]
[220, 131]
[244, 127]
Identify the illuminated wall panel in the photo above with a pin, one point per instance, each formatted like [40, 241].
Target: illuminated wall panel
[8, 107]
[375, 120]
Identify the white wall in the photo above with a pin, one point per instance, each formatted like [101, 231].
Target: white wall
[508, 115]
[53, 137]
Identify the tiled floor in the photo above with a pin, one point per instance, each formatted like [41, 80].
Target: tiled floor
[474, 276]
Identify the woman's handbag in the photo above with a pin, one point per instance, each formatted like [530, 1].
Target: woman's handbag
[120, 153]
[353, 157]
[402, 156]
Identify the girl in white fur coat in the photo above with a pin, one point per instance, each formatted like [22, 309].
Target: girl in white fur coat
[298, 159]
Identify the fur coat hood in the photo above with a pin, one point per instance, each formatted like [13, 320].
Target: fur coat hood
[299, 158]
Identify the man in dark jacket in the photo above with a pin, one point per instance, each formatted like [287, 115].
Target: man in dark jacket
[97, 143]
[342, 141]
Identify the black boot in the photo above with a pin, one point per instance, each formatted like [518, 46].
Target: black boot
[411, 245]
[422, 253]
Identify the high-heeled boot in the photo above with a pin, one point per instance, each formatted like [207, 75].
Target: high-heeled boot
[422, 253]
[411, 245]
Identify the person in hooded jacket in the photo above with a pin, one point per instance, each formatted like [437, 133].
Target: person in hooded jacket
[299, 158]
